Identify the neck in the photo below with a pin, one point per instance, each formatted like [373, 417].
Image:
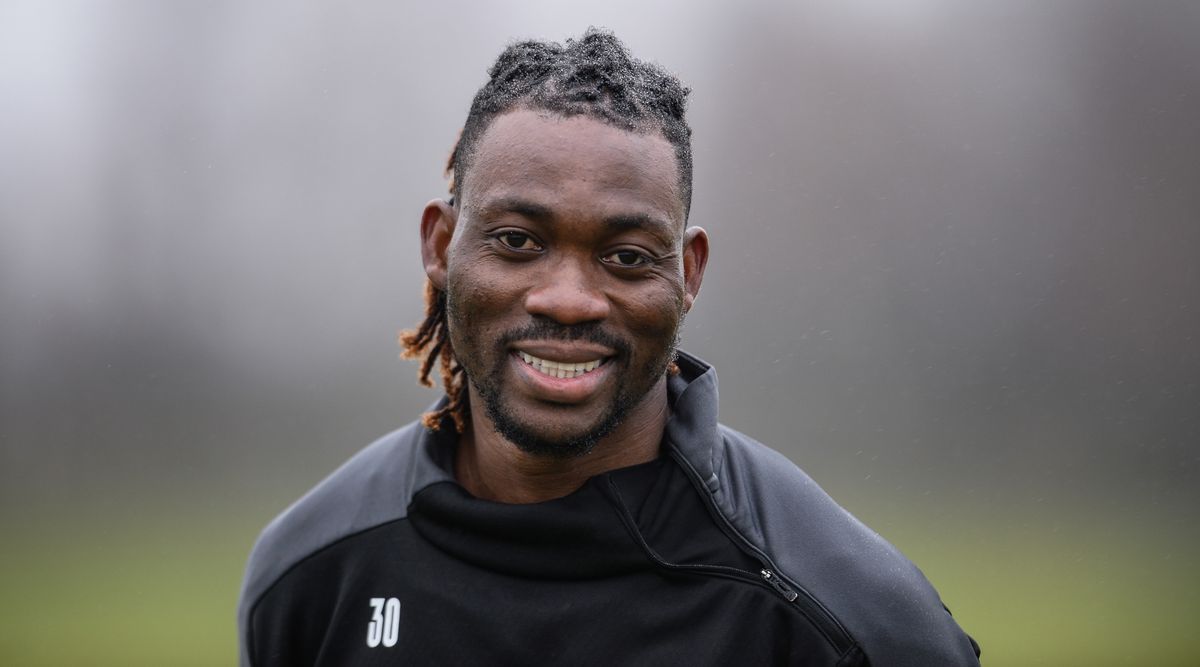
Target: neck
[490, 467]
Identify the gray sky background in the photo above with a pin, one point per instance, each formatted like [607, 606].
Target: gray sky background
[954, 244]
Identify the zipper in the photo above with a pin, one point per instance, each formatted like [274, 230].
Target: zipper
[778, 584]
[812, 608]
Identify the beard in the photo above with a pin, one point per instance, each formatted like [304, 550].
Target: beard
[488, 381]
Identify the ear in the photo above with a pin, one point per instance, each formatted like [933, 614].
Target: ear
[695, 258]
[437, 229]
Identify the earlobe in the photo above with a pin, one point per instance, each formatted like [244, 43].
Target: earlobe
[695, 258]
[437, 230]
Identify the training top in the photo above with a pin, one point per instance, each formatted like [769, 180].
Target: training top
[719, 552]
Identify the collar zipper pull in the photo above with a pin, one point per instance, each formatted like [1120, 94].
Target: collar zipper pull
[777, 583]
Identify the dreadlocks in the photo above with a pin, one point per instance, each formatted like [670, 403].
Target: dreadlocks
[593, 76]
[432, 341]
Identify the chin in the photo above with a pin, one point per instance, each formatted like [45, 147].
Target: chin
[562, 443]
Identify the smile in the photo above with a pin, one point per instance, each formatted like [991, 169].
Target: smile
[559, 369]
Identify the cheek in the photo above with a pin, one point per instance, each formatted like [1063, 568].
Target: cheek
[479, 296]
[655, 312]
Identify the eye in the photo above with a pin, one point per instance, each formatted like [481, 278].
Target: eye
[626, 258]
[517, 241]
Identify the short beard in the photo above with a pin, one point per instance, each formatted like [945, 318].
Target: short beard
[488, 388]
[532, 443]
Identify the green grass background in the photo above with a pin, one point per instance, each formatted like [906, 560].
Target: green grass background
[157, 584]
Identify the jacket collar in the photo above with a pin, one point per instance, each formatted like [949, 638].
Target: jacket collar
[692, 429]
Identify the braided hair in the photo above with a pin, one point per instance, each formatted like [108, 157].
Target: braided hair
[594, 76]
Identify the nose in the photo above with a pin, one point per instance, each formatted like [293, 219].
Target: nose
[567, 295]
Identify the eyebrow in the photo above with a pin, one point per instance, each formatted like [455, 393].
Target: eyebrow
[621, 222]
[522, 207]
[648, 223]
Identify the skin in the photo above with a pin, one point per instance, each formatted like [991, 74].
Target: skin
[565, 224]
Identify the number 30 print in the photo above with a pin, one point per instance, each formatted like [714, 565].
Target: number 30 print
[384, 627]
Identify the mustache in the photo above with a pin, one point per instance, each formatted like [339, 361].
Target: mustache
[543, 329]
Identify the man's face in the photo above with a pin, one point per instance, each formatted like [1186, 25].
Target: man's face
[567, 276]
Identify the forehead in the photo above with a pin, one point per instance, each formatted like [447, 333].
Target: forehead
[574, 161]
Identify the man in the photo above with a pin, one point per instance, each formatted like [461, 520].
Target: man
[572, 499]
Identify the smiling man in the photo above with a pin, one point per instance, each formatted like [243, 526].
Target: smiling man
[572, 499]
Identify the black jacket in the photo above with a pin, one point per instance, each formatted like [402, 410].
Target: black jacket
[721, 552]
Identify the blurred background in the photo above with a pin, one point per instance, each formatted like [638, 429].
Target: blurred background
[954, 277]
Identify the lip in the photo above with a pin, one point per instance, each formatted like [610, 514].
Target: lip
[565, 352]
[559, 390]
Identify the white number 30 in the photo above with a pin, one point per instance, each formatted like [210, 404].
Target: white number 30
[384, 627]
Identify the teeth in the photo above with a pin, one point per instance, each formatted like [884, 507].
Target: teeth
[559, 369]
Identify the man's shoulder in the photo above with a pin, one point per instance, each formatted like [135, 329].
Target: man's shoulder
[752, 477]
[784, 511]
[349, 499]
[371, 488]
[882, 600]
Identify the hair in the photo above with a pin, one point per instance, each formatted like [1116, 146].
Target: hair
[593, 76]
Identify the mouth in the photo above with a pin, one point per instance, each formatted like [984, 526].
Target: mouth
[563, 370]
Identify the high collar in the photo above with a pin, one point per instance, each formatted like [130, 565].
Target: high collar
[692, 429]
[581, 535]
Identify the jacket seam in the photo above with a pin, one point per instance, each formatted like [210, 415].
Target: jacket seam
[853, 657]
